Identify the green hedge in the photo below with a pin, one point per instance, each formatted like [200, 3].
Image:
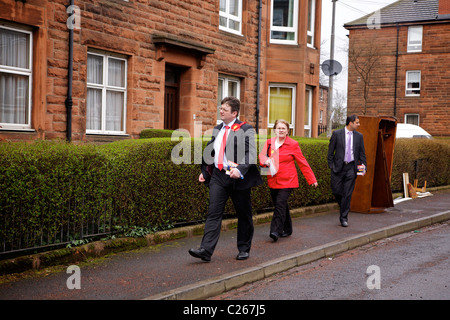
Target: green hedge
[50, 188]
[422, 159]
[155, 133]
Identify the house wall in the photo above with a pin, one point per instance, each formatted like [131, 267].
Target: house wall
[128, 28]
[444, 6]
[433, 104]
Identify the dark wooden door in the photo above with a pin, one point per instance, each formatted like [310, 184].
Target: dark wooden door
[171, 100]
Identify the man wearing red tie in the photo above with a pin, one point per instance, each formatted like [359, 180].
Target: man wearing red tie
[345, 152]
[229, 170]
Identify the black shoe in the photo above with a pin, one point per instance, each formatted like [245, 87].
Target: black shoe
[242, 256]
[274, 236]
[284, 234]
[200, 253]
[344, 224]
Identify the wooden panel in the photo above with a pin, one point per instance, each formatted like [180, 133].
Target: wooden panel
[362, 195]
[373, 191]
[171, 108]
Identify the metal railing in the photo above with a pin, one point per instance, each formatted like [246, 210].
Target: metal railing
[59, 233]
[323, 128]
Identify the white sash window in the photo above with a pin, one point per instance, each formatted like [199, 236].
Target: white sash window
[106, 94]
[15, 78]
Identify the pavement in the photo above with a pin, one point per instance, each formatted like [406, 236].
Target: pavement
[167, 272]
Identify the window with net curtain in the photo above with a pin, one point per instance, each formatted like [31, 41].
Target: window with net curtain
[281, 105]
[15, 78]
[415, 39]
[412, 118]
[106, 94]
[230, 15]
[413, 83]
[227, 87]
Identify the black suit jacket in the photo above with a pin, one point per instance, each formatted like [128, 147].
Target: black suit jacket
[336, 150]
[241, 149]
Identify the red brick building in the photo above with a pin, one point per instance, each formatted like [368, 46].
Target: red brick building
[406, 47]
[139, 64]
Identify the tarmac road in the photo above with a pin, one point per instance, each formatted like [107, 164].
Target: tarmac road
[412, 266]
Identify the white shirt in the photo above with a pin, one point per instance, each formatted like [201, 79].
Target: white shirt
[278, 144]
[352, 158]
[218, 143]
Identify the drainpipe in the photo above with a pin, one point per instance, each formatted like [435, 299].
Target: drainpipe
[395, 79]
[69, 102]
[258, 71]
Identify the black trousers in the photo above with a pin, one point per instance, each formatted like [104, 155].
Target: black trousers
[221, 188]
[281, 219]
[342, 185]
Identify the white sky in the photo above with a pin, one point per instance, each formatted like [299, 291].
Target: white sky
[346, 11]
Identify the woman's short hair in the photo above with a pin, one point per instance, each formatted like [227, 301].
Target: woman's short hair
[283, 122]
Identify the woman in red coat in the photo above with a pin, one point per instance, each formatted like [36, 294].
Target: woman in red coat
[279, 155]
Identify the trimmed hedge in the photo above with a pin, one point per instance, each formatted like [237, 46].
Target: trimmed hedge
[423, 159]
[49, 188]
[155, 133]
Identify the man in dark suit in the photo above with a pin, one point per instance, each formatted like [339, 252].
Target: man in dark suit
[345, 153]
[233, 141]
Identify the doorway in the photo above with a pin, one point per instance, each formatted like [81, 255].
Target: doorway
[171, 98]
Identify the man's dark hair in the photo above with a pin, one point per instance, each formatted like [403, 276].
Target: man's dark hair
[351, 118]
[233, 102]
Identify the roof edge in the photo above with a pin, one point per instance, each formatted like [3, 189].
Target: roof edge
[402, 23]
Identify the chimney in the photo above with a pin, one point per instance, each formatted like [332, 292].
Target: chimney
[444, 7]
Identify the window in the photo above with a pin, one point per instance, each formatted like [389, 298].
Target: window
[106, 93]
[284, 22]
[230, 16]
[282, 104]
[412, 118]
[311, 23]
[308, 112]
[15, 78]
[415, 39]
[228, 87]
[413, 83]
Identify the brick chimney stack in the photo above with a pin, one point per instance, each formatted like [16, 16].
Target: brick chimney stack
[444, 6]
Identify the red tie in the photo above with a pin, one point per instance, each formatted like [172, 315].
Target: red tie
[222, 149]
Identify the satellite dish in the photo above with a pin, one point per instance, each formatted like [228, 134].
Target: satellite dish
[331, 67]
